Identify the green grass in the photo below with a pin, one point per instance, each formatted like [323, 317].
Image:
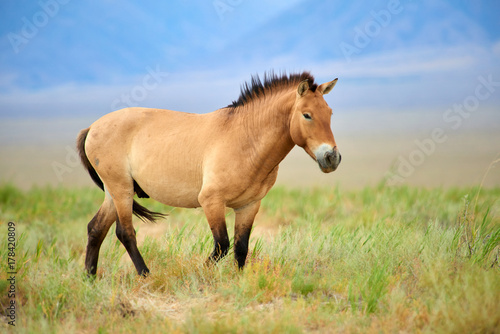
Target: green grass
[381, 259]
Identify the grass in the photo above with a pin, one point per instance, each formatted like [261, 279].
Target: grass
[381, 259]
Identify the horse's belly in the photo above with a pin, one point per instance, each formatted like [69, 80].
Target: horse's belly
[172, 192]
[169, 182]
[180, 199]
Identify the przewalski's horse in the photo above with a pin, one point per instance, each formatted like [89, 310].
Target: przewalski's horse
[226, 158]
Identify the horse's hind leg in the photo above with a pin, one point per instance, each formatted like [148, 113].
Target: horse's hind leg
[128, 239]
[125, 232]
[96, 231]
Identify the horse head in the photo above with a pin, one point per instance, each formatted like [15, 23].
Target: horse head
[310, 125]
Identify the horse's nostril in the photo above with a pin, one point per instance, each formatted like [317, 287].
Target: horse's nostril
[331, 156]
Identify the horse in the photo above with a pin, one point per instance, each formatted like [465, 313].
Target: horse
[228, 158]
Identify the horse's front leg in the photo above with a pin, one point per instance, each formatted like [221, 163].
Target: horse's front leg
[242, 229]
[214, 209]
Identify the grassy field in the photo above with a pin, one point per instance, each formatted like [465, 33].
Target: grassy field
[380, 259]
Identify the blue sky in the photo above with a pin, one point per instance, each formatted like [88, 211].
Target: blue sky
[67, 58]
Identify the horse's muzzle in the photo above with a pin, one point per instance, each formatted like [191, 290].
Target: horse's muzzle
[329, 161]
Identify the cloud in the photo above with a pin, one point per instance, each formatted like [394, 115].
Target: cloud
[409, 62]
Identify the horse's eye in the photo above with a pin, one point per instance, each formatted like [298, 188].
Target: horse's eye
[307, 116]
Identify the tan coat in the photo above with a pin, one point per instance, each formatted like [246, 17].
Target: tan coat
[227, 158]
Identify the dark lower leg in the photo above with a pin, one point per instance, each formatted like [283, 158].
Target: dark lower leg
[129, 241]
[214, 210]
[97, 229]
[242, 229]
[221, 243]
[241, 249]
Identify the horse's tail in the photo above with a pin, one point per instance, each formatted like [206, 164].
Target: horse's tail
[80, 145]
[138, 210]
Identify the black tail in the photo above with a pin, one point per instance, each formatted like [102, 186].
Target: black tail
[146, 215]
[141, 212]
[80, 146]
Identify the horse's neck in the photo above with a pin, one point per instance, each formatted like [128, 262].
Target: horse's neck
[266, 124]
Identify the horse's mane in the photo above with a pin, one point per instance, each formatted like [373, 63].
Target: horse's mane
[272, 82]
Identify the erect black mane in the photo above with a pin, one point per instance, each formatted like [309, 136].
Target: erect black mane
[272, 81]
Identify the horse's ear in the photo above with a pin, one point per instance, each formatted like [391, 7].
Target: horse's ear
[327, 86]
[303, 88]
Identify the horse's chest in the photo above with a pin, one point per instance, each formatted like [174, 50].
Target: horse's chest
[253, 190]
